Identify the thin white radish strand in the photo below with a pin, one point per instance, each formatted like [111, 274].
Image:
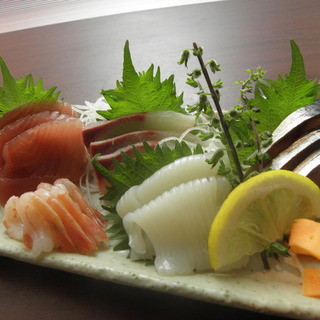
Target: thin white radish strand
[88, 113]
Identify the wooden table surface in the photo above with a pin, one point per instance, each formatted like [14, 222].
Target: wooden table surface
[83, 57]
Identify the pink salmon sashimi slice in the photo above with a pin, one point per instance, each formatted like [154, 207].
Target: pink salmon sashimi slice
[108, 146]
[154, 120]
[108, 161]
[36, 107]
[53, 149]
[15, 128]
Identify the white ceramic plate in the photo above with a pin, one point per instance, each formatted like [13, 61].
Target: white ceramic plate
[276, 292]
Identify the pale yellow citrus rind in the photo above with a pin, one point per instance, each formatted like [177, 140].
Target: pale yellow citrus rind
[226, 223]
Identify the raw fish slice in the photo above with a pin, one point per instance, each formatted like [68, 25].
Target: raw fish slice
[108, 161]
[37, 233]
[36, 107]
[297, 152]
[112, 145]
[192, 207]
[12, 220]
[17, 186]
[80, 240]
[310, 167]
[50, 149]
[180, 171]
[77, 197]
[294, 127]
[17, 127]
[90, 227]
[57, 228]
[48, 218]
[155, 120]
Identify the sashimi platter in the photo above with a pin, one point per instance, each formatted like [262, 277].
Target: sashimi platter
[142, 189]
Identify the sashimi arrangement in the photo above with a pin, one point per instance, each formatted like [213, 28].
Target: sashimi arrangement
[186, 189]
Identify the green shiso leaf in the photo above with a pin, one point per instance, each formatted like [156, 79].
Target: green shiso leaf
[141, 92]
[279, 98]
[276, 99]
[14, 92]
[133, 171]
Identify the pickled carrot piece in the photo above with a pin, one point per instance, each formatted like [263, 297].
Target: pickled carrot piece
[311, 282]
[305, 237]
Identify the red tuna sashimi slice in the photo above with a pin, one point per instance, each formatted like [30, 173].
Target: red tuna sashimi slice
[155, 120]
[17, 186]
[107, 161]
[36, 107]
[112, 145]
[15, 128]
[50, 149]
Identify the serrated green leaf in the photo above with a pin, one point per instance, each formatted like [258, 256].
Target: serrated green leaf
[118, 236]
[276, 99]
[14, 92]
[123, 245]
[133, 171]
[112, 216]
[141, 92]
[116, 228]
[279, 98]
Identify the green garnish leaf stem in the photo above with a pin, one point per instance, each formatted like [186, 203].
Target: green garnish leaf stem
[220, 114]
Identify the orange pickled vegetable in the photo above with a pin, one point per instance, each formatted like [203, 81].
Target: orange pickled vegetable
[311, 282]
[305, 237]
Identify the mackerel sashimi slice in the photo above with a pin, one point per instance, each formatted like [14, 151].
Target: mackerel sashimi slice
[50, 149]
[36, 107]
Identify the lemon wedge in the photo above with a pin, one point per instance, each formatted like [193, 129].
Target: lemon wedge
[258, 212]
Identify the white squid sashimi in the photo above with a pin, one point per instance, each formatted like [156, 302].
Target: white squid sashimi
[175, 226]
[180, 171]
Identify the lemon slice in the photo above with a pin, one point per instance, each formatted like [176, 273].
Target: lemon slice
[258, 212]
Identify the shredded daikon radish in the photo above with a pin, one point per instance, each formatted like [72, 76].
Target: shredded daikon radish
[87, 113]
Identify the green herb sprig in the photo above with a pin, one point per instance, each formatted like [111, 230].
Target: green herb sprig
[246, 130]
[16, 92]
[141, 92]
